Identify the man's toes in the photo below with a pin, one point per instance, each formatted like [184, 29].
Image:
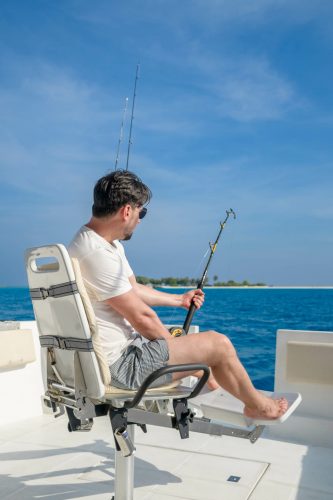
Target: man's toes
[283, 405]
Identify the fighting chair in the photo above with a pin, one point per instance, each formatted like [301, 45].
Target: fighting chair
[77, 378]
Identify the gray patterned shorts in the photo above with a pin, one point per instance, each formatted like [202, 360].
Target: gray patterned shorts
[139, 360]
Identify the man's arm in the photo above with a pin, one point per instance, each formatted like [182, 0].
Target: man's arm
[153, 297]
[143, 319]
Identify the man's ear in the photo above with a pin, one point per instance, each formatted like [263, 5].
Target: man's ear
[125, 211]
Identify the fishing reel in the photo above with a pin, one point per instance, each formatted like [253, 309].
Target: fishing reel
[177, 331]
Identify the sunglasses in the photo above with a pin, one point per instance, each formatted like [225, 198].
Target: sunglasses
[143, 212]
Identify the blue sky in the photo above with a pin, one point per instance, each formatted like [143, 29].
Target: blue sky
[234, 109]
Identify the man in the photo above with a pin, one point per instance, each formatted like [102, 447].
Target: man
[134, 339]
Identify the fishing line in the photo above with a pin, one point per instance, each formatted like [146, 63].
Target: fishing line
[199, 266]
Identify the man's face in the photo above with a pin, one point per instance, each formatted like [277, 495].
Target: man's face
[136, 214]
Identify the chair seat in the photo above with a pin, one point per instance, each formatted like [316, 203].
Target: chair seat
[173, 390]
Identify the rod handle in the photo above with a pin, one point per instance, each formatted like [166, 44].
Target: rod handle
[189, 317]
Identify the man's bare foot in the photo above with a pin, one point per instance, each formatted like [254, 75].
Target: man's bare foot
[270, 409]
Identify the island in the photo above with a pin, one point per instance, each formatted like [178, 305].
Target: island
[172, 281]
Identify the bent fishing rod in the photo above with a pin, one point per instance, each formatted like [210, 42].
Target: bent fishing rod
[176, 331]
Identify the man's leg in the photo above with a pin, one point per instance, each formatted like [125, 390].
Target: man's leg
[216, 351]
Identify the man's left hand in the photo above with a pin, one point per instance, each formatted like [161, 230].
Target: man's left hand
[197, 296]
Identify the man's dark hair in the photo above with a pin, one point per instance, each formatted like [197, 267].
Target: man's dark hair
[117, 189]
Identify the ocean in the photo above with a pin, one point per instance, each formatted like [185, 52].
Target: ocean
[249, 317]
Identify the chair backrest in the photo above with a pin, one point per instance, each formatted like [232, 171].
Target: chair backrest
[60, 312]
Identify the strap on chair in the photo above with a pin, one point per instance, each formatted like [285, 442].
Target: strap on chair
[67, 343]
[55, 291]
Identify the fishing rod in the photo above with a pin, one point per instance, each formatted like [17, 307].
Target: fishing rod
[121, 133]
[132, 116]
[176, 331]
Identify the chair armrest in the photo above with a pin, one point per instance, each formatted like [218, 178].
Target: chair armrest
[164, 371]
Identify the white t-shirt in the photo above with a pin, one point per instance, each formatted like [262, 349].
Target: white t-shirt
[105, 271]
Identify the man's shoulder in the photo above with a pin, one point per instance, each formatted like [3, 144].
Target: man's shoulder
[87, 242]
[83, 243]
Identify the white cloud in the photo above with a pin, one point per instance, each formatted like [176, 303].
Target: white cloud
[249, 90]
[221, 82]
[53, 124]
[208, 14]
[227, 14]
[239, 88]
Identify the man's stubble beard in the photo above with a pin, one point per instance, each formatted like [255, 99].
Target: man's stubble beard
[127, 237]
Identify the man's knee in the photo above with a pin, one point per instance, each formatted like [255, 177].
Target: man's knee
[220, 341]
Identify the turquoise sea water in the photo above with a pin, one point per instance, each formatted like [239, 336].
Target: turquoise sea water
[250, 317]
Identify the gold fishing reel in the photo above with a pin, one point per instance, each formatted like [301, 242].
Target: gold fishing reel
[177, 331]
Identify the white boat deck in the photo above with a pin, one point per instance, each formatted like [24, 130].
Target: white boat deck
[39, 458]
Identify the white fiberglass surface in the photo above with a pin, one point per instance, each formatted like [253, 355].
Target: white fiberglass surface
[39, 457]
